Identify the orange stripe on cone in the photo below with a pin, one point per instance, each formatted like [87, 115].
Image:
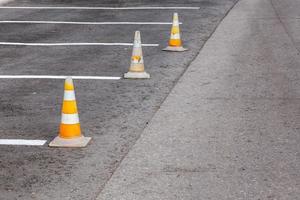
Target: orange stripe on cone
[69, 131]
[69, 107]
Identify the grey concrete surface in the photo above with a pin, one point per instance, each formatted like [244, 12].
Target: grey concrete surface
[289, 15]
[113, 113]
[230, 127]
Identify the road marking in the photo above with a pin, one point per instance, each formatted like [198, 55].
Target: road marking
[100, 8]
[58, 77]
[22, 142]
[73, 44]
[86, 23]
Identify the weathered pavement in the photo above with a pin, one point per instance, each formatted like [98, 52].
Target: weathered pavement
[230, 127]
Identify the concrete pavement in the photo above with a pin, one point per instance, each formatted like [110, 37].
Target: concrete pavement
[230, 127]
[289, 14]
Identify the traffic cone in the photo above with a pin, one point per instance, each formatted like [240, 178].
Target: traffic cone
[70, 132]
[175, 43]
[137, 68]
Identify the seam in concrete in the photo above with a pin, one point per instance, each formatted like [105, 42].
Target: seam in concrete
[175, 83]
[284, 26]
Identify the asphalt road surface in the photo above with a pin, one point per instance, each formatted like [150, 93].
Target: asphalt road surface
[112, 112]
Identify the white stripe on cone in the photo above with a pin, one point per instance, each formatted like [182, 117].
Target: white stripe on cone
[69, 118]
[69, 95]
[176, 36]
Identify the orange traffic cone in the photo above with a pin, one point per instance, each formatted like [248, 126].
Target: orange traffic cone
[70, 131]
[175, 43]
[137, 68]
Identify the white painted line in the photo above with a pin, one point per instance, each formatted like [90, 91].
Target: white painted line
[22, 142]
[100, 8]
[73, 44]
[58, 77]
[86, 23]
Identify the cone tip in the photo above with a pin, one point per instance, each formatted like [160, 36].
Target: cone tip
[137, 34]
[137, 38]
[69, 78]
[69, 83]
[175, 18]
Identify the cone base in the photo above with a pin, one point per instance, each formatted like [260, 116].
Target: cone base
[76, 142]
[136, 75]
[175, 49]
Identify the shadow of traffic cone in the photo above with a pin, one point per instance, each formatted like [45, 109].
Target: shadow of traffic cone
[70, 131]
[175, 43]
[137, 68]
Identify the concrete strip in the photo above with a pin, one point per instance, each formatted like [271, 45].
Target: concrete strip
[230, 127]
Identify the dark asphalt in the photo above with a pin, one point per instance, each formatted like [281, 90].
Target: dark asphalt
[113, 113]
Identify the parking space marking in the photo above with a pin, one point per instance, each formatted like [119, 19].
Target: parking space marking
[22, 142]
[73, 44]
[58, 77]
[86, 23]
[100, 8]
